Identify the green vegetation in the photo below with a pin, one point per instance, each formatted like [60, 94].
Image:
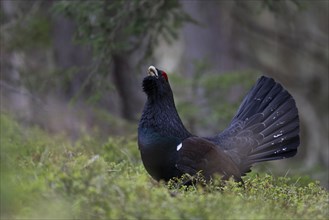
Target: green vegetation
[33, 33]
[43, 176]
[115, 27]
[219, 96]
[115, 30]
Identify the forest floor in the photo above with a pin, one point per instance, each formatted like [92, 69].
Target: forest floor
[47, 176]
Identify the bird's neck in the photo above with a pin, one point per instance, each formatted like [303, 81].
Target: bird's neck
[161, 116]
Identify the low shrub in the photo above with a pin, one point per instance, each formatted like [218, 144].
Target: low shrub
[47, 176]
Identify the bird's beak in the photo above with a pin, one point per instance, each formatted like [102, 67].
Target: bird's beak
[152, 71]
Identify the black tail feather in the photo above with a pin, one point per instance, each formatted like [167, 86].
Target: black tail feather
[284, 150]
[258, 98]
[278, 122]
[266, 126]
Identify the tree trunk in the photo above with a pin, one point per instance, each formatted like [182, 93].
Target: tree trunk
[125, 80]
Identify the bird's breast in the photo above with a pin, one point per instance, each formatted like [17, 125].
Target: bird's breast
[158, 153]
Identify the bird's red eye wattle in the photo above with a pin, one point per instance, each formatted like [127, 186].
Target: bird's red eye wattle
[164, 75]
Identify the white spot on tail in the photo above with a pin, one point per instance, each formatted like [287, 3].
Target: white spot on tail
[179, 146]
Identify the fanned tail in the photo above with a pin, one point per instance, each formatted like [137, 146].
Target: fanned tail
[266, 126]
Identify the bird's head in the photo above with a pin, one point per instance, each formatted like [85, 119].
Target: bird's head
[156, 84]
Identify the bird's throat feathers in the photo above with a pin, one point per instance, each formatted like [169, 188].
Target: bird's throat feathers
[161, 115]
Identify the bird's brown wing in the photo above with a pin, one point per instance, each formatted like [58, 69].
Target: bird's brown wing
[197, 154]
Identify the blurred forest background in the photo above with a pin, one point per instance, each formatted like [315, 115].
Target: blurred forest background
[75, 67]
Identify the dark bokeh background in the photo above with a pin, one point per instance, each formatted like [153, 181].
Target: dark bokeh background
[76, 67]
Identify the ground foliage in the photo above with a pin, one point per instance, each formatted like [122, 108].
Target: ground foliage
[45, 176]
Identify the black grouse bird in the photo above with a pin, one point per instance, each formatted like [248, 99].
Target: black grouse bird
[265, 127]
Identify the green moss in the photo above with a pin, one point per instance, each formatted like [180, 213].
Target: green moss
[48, 177]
